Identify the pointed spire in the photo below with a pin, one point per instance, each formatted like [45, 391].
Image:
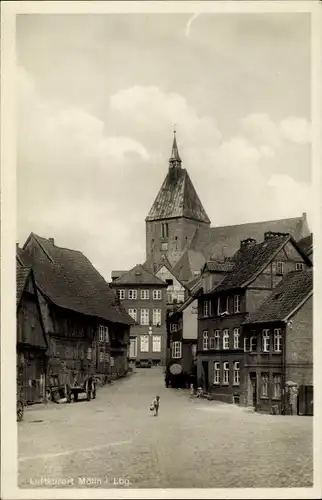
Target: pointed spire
[175, 160]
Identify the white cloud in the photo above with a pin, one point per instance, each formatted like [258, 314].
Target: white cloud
[296, 129]
[91, 190]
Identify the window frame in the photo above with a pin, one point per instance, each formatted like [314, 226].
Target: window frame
[159, 311]
[148, 316]
[277, 336]
[237, 336]
[236, 373]
[216, 373]
[89, 354]
[266, 340]
[205, 340]
[226, 339]
[237, 301]
[176, 350]
[136, 314]
[121, 293]
[159, 343]
[225, 372]
[279, 268]
[299, 266]
[133, 292]
[251, 339]
[217, 339]
[157, 294]
[144, 340]
[145, 294]
[206, 308]
[275, 385]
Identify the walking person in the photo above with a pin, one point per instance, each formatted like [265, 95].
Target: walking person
[155, 405]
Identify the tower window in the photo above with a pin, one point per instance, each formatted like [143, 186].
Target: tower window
[164, 230]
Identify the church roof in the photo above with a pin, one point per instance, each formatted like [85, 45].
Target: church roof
[177, 196]
[224, 241]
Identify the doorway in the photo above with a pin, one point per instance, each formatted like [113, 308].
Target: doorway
[205, 365]
[253, 389]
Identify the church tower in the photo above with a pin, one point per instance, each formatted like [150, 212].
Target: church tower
[175, 216]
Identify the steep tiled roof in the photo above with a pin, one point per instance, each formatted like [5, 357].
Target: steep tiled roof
[22, 273]
[224, 241]
[285, 298]
[69, 280]
[189, 262]
[177, 198]
[306, 244]
[138, 275]
[250, 260]
[117, 274]
[221, 266]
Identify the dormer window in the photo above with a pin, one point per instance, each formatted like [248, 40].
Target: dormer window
[299, 266]
[279, 268]
[164, 230]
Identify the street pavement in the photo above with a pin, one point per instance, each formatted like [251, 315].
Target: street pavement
[115, 441]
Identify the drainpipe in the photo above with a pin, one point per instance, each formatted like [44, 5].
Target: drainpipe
[283, 370]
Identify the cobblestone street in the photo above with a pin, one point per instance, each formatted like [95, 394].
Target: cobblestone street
[115, 441]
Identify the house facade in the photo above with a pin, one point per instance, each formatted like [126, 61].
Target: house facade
[87, 329]
[144, 297]
[32, 355]
[278, 337]
[242, 283]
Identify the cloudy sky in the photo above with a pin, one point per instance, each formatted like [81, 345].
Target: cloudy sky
[98, 97]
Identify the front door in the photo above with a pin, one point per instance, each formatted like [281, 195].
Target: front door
[133, 347]
[205, 376]
[253, 389]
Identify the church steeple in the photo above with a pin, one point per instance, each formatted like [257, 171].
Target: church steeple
[175, 160]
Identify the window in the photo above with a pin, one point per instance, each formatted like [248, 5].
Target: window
[103, 334]
[101, 358]
[226, 373]
[205, 340]
[279, 267]
[173, 327]
[277, 340]
[299, 266]
[106, 357]
[176, 350]
[164, 246]
[145, 294]
[246, 344]
[266, 341]
[156, 317]
[164, 230]
[121, 294]
[253, 344]
[227, 304]
[144, 320]
[144, 343]
[211, 343]
[133, 314]
[132, 294]
[276, 385]
[226, 339]
[236, 303]
[218, 306]
[89, 353]
[133, 347]
[264, 385]
[157, 295]
[217, 339]
[236, 373]
[156, 343]
[217, 373]
[236, 338]
[206, 308]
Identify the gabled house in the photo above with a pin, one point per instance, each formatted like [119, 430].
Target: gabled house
[144, 296]
[306, 245]
[31, 339]
[177, 292]
[242, 283]
[278, 336]
[86, 327]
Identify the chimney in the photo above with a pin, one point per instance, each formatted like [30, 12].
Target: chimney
[304, 215]
[247, 243]
[271, 234]
[51, 240]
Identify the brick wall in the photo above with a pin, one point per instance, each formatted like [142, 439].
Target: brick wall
[299, 346]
